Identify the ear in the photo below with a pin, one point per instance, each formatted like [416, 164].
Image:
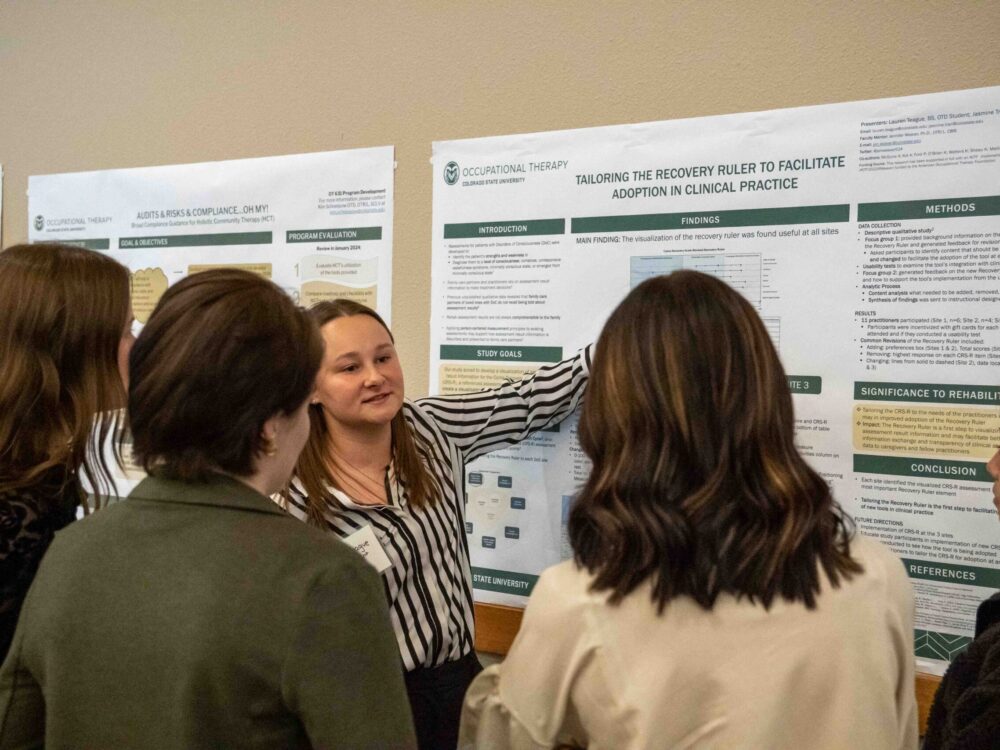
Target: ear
[314, 397]
[269, 430]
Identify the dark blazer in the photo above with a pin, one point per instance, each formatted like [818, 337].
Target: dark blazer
[202, 616]
[966, 710]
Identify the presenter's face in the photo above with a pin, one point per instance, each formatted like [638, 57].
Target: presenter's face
[993, 467]
[360, 383]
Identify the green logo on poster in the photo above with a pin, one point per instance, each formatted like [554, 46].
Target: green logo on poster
[39, 223]
[451, 173]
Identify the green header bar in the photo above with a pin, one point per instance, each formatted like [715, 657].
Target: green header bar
[933, 208]
[196, 240]
[101, 243]
[502, 353]
[951, 573]
[746, 217]
[929, 393]
[811, 385]
[503, 581]
[516, 228]
[343, 234]
[926, 468]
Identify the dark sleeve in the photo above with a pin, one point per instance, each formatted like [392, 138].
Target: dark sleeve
[22, 707]
[25, 533]
[988, 613]
[966, 710]
[478, 423]
[343, 676]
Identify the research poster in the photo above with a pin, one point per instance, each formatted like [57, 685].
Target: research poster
[867, 236]
[318, 225]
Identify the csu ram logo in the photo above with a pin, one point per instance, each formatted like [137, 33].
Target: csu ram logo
[451, 173]
[39, 223]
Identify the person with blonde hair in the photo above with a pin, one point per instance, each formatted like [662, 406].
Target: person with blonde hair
[377, 464]
[717, 596]
[65, 334]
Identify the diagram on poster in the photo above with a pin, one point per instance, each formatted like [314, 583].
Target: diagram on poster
[867, 236]
[318, 225]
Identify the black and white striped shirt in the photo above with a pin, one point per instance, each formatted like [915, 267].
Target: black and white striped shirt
[429, 586]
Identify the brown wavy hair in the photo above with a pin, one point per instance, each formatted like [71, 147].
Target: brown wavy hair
[224, 351]
[696, 485]
[313, 469]
[63, 311]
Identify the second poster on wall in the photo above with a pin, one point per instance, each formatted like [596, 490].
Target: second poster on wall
[318, 225]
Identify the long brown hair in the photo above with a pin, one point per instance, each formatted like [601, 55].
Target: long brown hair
[313, 469]
[224, 351]
[63, 311]
[696, 484]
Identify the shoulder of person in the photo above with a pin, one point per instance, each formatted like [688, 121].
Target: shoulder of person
[341, 580]
[50, 493]
[92, 525]
[314, 542]
[422, 420]
[868, 549]
[566, 585]
[878, 560]
[563, 616]
[988, 614]
[413, 410]
[311, 554]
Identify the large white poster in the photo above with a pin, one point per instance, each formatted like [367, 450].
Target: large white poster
[866, 234]
[318, 225]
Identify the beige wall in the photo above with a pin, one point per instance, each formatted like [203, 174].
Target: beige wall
[98, 84]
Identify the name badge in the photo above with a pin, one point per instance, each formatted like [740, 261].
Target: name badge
[366, 544]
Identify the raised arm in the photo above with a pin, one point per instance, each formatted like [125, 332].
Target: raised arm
[486, 421]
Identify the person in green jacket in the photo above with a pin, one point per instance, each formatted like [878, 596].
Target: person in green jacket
[196, 613]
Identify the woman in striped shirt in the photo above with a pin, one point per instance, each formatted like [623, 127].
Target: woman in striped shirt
[381, 469]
